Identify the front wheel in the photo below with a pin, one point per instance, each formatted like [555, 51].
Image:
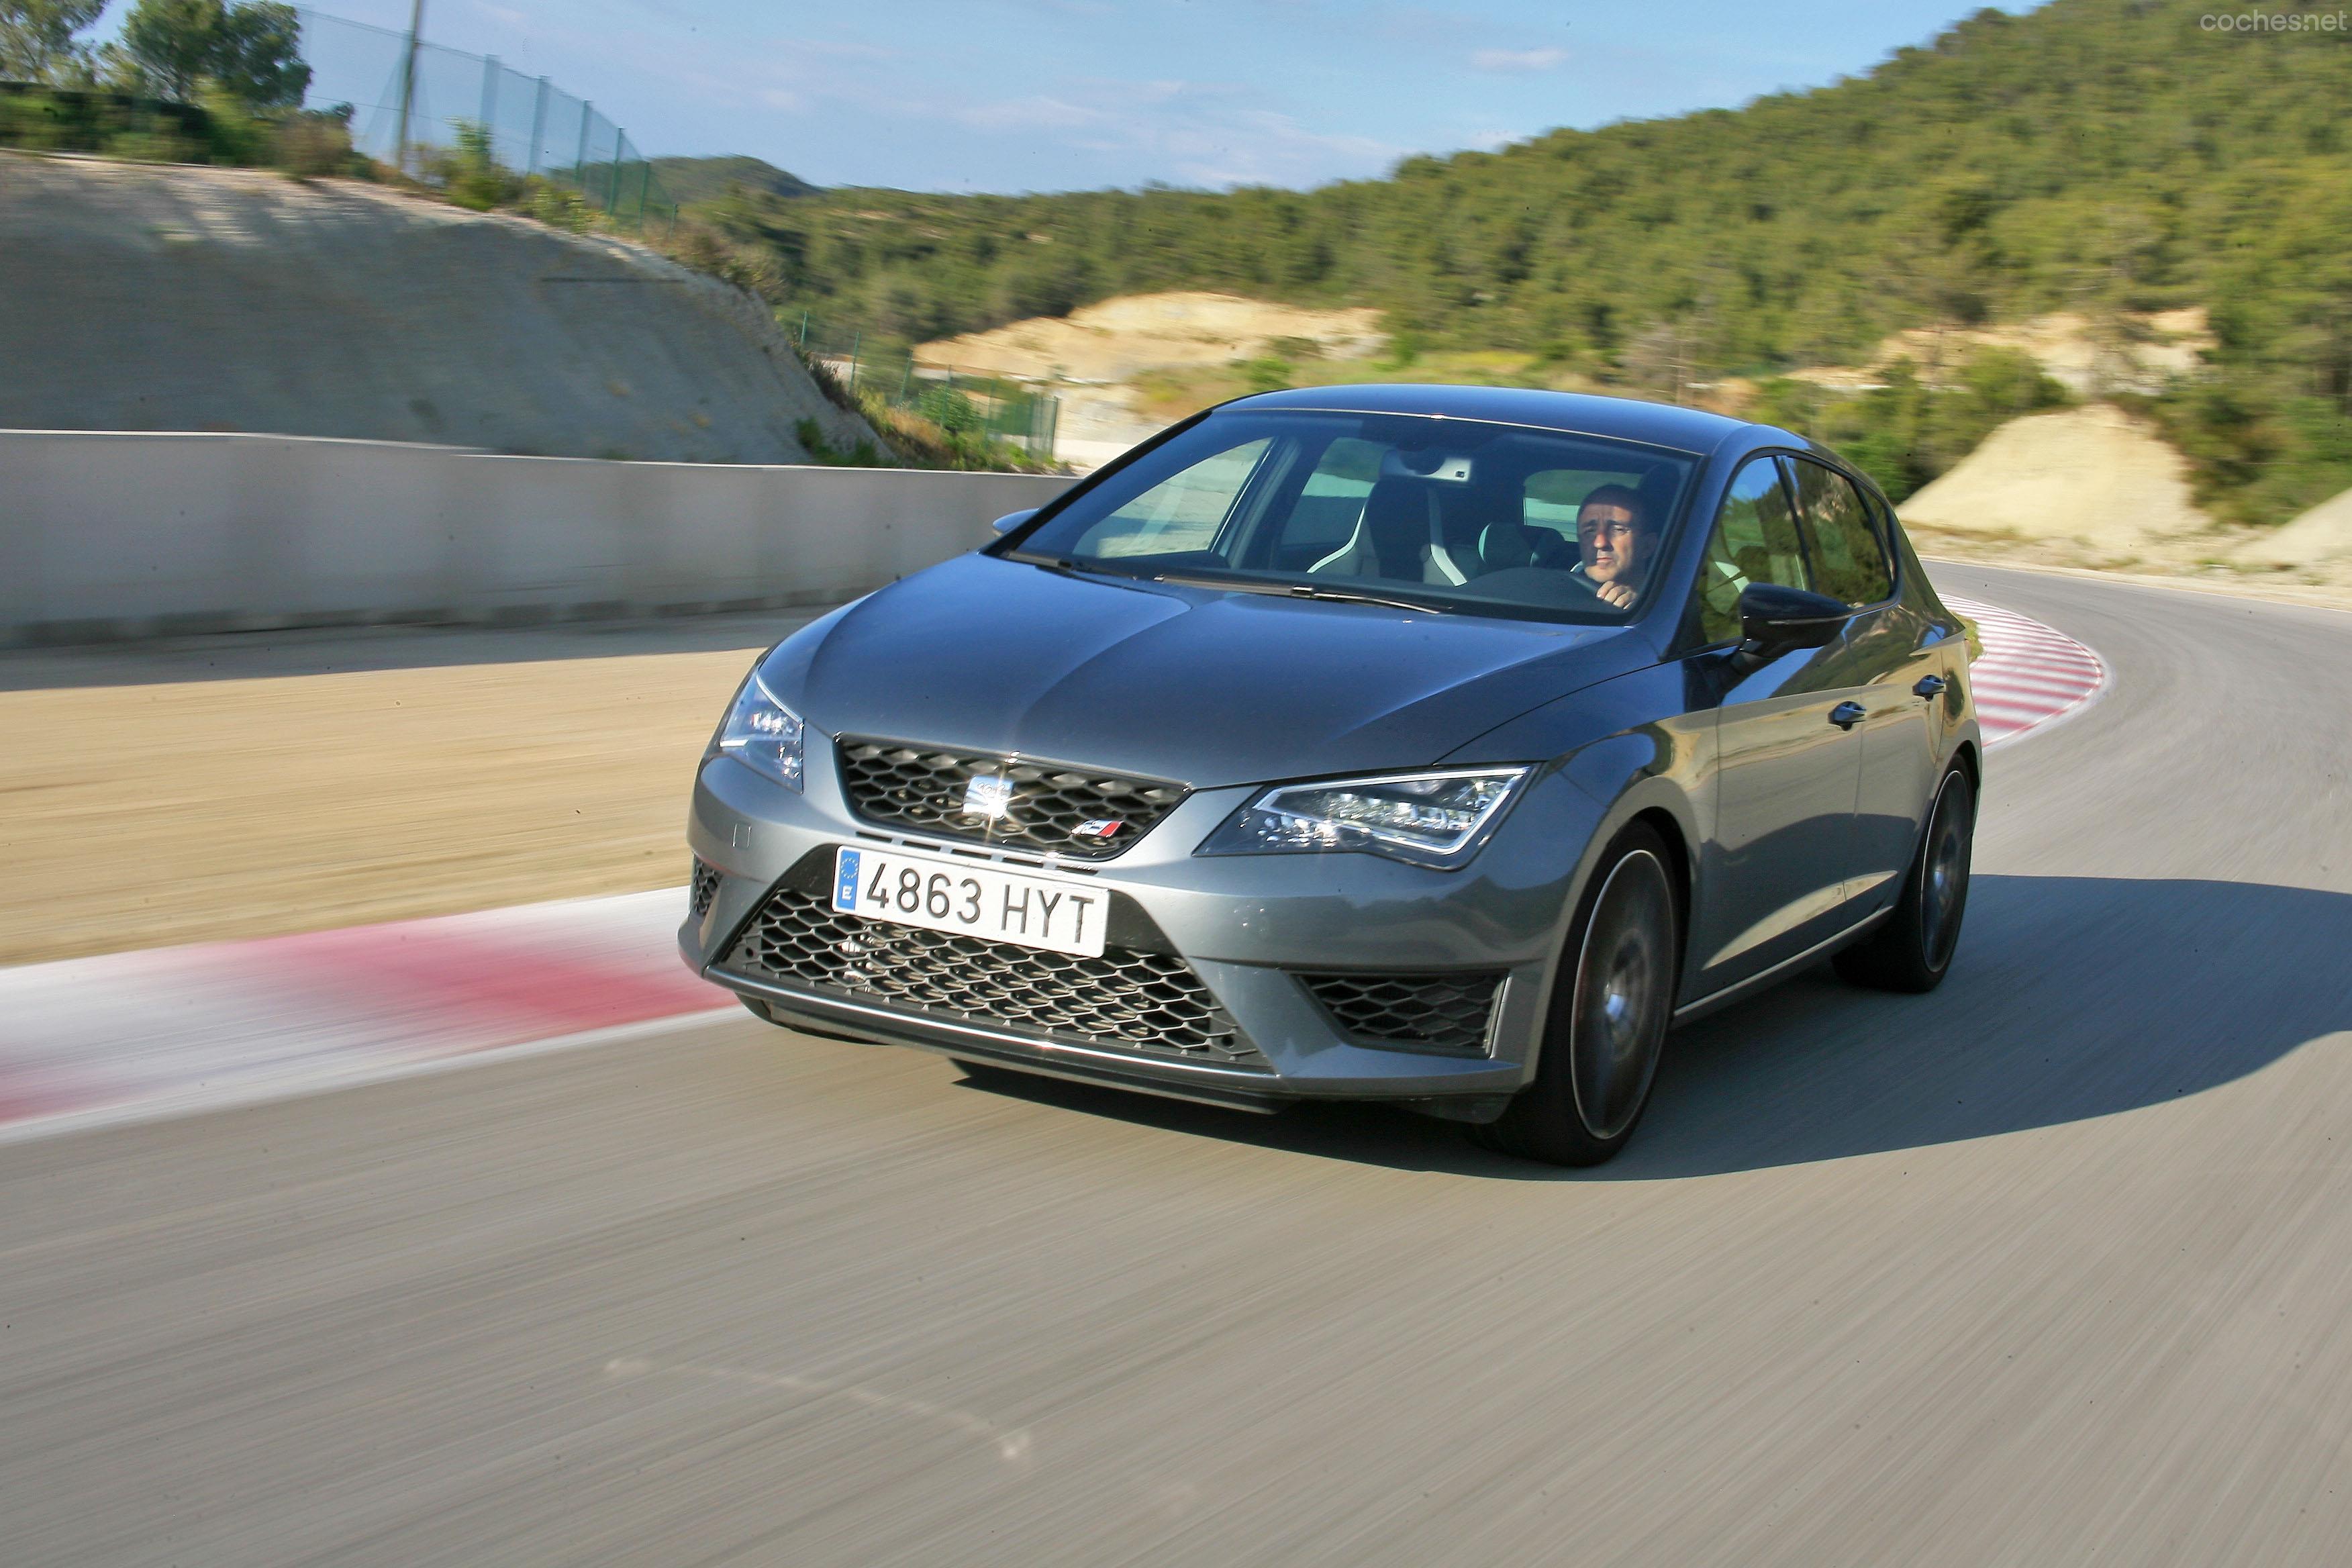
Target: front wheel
[1913, 950]
[1610, 1006]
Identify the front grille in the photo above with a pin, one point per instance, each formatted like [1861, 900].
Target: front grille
[702, 889]
[1140, 996]
[1425, 1012]
[922, 788]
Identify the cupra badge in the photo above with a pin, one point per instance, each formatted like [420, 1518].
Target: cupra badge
[988, 795]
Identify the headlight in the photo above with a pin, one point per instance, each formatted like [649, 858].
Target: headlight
[763, 733]
[1435, 819]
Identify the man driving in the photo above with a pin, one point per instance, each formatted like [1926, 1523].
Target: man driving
[1613, 543]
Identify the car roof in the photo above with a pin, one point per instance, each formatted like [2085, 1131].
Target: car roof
[1625, 419]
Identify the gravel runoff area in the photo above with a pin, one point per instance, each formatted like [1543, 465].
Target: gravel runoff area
[244, 786]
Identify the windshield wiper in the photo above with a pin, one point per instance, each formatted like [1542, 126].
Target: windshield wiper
[1070, 566]
[1350, 597]
[1291, 591]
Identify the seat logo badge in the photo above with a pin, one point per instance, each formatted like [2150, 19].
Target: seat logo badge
[1103, 827]
[988, 795]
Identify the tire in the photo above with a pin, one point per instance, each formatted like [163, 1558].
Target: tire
[1606, 1026]
[1912, 951]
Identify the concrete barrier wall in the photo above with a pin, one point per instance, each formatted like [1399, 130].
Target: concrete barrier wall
[111, 535]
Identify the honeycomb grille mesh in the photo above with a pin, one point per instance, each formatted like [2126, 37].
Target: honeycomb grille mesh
[922, 788]
[703, 889]
[1425, 1011]
[1150, 1003]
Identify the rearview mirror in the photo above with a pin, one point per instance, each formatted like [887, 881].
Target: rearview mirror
[1012, 519]
[1774, 620]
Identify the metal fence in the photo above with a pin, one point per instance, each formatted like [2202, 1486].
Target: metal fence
[960, 402]
[534, 128]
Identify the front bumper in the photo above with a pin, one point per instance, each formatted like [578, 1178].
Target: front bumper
[1248, 927]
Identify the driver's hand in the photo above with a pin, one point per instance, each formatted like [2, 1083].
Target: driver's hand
[1616, 593]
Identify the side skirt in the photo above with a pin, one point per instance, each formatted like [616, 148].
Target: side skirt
[1740, 990]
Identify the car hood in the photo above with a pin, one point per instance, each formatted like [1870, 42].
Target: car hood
[1199, 686]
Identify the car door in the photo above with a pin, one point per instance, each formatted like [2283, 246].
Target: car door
[1885, 661]
[1777, 868]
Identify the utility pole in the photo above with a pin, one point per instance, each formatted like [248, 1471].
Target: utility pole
[407, 84]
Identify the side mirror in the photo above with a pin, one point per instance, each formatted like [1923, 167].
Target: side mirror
[1775, 620]
[1012, 519]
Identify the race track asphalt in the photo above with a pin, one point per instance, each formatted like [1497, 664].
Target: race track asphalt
[2052, 1267]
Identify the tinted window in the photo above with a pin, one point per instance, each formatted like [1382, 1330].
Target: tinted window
[1848, 555]
[1329, 506]
[1453, 513]
[1754, 540]
[1183, 511]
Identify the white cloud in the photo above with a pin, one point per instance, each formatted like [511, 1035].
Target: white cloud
[1519, 60]
[1037, 112]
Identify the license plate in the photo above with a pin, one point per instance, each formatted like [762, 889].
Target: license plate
[938, 892]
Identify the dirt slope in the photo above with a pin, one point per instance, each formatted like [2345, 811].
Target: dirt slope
[2322, 534]
[2093, 480]
[2157, 348]
[144, 297]
[1112, 340]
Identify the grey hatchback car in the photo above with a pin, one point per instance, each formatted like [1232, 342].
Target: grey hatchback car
[1441, 746]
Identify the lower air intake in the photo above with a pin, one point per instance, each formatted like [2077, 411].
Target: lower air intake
[1452, 1012]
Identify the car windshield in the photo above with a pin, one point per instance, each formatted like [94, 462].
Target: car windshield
[1446, 514]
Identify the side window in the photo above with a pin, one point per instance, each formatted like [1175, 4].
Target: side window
[1755, 541]
[1182, 513]
[1849, 552]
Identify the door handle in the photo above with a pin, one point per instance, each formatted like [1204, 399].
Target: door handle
[1846, 715]
[1930, 686]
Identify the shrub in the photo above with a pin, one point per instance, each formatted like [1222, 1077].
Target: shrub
[315, 144]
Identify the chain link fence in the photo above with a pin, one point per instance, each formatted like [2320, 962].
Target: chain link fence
[959, 402]
[534, 127]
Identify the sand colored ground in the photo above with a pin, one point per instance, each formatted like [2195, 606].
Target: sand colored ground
[2323, 534]
[1114, 340]
[2152, 349]
[2091, 487]
[2094, 478]
[246, 788]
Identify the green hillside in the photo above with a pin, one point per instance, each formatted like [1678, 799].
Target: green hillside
[2101, 156]
[702, 179]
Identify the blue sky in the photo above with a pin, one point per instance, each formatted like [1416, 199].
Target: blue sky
[1012, 95]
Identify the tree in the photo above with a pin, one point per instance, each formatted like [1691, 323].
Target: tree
[258, 58]
[37, 35]
[252, 52]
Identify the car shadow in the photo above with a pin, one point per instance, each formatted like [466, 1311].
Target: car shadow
[2072, 997]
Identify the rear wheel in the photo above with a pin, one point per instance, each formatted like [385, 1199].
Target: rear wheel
[1610, 1007]
[1913, 950]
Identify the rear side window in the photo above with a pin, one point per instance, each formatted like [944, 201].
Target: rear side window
[1849, 552]
[1755, 541]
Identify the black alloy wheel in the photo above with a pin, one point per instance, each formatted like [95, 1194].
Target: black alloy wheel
[1610, 1004]
[1912, 951]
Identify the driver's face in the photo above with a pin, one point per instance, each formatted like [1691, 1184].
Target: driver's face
[1609, 542]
